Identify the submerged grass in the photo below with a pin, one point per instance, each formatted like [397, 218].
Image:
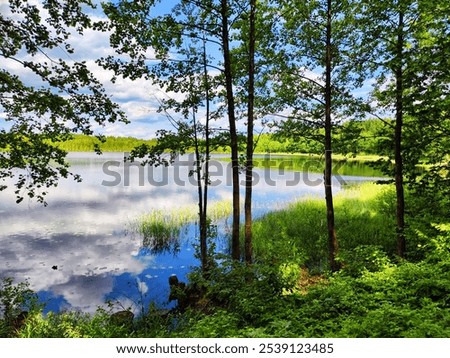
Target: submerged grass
[166, 225]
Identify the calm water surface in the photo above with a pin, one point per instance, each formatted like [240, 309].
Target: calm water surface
[86, 231]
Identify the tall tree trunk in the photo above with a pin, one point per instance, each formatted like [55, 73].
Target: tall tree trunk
[201, 199]
[250, 119]
[332, 241]
[235, 244]
[207, 150]
[398, 166]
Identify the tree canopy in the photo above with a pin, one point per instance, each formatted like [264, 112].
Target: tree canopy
[46, 94]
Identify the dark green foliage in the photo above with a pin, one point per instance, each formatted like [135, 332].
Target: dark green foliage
[364, 258]
[406, 300]
[387, 303]
[241, 288]
[16, 303]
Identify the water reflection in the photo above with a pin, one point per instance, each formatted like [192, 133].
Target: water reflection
[86, 231]
[163, 243]
[312, 164]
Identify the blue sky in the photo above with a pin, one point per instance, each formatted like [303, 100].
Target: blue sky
[139, 99]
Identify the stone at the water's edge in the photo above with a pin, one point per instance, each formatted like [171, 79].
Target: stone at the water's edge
[178, 292]
[122, 318]
[18, 322]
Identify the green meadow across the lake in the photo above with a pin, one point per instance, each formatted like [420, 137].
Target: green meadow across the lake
[85, 143]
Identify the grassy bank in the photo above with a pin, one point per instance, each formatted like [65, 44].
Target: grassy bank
[265, 144]
[289, 292]
[363, 216]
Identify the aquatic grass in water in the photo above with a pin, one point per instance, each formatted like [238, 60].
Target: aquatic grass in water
[219, 210]
[161, 229]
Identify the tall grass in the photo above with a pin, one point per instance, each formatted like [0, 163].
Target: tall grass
[298, 234]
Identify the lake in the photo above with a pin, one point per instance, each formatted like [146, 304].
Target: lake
[82, 250]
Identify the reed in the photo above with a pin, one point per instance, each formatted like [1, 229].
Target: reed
[162, 228]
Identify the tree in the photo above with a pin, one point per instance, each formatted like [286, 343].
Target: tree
[386, 34]
[248, 246]
[64, 97]
[253, 64]
[404, 46]
[190, 133]
[173, 36]
[315, 79]
[234, 145]
[429, 133]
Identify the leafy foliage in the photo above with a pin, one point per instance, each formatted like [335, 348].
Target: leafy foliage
[16, 301]
[68, 98]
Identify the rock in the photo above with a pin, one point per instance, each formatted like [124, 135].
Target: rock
[122, 318]
[18, 322]
[178, 292]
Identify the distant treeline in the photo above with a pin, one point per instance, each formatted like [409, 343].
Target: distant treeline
[366, 137]
[85, 143]
[363, 137]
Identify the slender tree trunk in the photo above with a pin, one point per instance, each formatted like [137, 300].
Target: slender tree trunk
[250, 119]
[235, 244]
[400, 209]
[203, 180]
[332, 241]
[207, 154]
[201, 202]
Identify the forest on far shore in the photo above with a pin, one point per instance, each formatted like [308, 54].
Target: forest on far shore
[358, 139]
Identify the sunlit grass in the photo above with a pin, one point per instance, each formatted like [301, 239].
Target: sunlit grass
[298, 233]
